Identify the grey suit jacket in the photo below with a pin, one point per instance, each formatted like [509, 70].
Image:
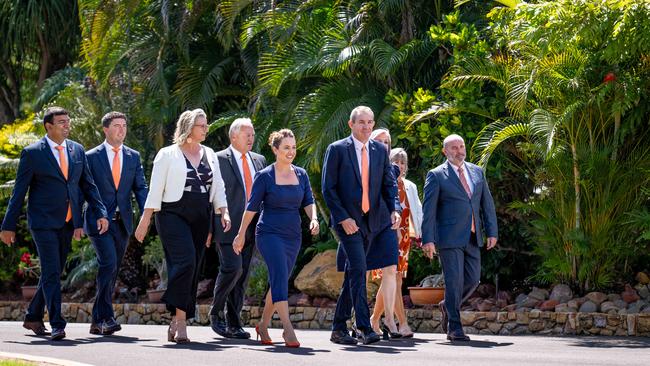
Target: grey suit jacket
[235, 193]
[447, 209]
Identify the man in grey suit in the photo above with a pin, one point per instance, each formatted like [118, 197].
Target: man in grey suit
[238, 166]
[458, 208]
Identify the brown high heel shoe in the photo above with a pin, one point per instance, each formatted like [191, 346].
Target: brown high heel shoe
[259, 335]
[171, 331]
[290, 344]
[181, 332]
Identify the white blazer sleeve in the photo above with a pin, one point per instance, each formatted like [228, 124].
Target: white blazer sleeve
[416, 207]
[158, 180]
[218, 189]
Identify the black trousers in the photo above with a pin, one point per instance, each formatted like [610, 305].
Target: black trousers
[230, 286]
[53, 247]
[183, 227]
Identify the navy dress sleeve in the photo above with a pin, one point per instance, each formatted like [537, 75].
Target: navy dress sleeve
[308, 197]
[257, 192]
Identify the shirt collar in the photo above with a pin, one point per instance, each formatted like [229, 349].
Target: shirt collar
[238, 153]
[456, 168]
[358, 144]
[53, 144]
[110, 147]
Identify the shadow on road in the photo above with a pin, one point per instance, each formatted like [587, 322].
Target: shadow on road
[281, 349]
[194, 346]
[476, 344]
[606, 342]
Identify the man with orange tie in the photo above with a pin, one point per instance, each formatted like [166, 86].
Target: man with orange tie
[458, 213]
[55, 172]
[118, 174]
[360, 190]
[238, 165]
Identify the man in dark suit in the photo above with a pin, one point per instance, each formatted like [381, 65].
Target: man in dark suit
[118, 174]
[238, 165]
[457, 208]
[360, 191]
[56, 173]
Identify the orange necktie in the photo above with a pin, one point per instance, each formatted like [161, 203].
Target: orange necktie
[463, 181]
[63, 164]
[365, 181]
[116, 167]
[248, 180]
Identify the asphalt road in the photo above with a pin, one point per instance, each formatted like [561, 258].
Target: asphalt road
[146, 345]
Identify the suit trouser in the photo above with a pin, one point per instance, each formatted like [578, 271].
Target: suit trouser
[231, 281]
[353, 292]
[53, 247]
[110, 248]
[462, 270]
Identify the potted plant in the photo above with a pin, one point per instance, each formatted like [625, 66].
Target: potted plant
[430, 291]
[154, 257]
[29, 268]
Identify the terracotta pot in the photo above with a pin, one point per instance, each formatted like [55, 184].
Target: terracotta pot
[155, 295]
[28, 292]
[426, 295]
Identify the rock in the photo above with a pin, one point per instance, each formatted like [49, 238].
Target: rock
[485, 305]
[620, 304]
[564, 308]
[486, 290]
[520, 298]
[636, 307]
[548, 305]
[319, 277]
[538, 294]
[299, 300]
[607, 306]
[597, 297]
[588, 307]
[575, 303]
[511, 307]
[561, 293]
[437, 280]
[504, 296]
[536, 325]
[642, 290]
[629, 295]
[613, 297]
[643, 278]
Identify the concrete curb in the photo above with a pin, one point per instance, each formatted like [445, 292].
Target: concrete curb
[49, 360]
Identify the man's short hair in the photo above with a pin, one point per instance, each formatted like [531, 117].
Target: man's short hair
[53, 111]
[110, 116]
[237, 124]
[360, 110]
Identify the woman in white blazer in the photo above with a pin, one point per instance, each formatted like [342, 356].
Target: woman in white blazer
[186, 189]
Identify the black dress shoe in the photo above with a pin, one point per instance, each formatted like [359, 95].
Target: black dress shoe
[110, 326]
[218, 325]
[342, 337]
[238, 333]
[95, 328]
[368, 336]
[444, 319]
[38, 327]
[457, 337]
[58, 334]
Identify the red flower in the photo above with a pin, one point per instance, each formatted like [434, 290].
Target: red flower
[609, 77]
[20, 272]
[26, 258]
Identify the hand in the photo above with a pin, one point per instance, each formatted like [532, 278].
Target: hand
[395, 219]
[491, 242]
[102, 225]
[225, 222]
[314, 227]
[142, 229]
[429, 250]
[208, 241]
[238, 244]
[77, 234]
[8, 237]
[349, 226]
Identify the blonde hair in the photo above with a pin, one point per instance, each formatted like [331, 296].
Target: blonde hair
[276, 137]
[185, 123]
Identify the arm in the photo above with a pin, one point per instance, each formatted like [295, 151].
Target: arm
[238, 242]
[416, 211]
[489, 215]
[219, 198]
[21, 184]
[329, 181]
[158, 178]
[258, 192]
[91, 195]
[309, 206]
[139, 186]
[389, 193]
[429, 208]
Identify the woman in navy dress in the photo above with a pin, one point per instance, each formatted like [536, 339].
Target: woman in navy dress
[279, 192]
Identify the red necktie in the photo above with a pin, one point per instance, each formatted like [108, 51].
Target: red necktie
[248, 180]
[463, 181]
[365, 181]
[63, 164]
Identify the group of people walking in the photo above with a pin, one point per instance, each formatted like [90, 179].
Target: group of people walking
[233, 200]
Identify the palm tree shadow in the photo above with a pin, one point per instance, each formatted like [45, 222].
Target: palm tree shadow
[611, 342]
[300, 351]
[476, 344]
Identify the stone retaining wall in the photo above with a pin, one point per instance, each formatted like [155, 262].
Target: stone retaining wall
[421, 320]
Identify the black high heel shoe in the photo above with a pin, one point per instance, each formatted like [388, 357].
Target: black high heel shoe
[387, 334]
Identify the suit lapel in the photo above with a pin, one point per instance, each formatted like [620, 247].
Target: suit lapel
[45, 148]
[474, 177]
[103, 160]
[451, 173]
[353, 157]
[126, 159]
[257, 165]
[72, 154]
[235, 168]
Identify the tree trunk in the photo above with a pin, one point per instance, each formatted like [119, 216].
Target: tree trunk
[576, 187]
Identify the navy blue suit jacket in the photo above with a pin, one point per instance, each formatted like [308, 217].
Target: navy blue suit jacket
[49, 191]
[341, 184]
[131, 180]
[447, 209]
